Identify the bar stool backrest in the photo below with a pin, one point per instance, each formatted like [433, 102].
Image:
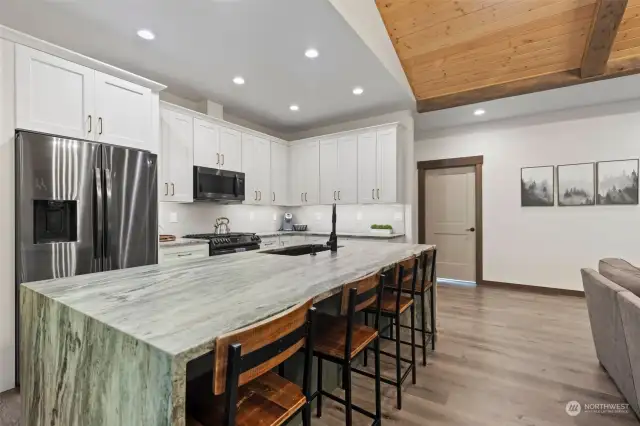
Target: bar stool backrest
[256, 349]
[428, 266]
[366, 293]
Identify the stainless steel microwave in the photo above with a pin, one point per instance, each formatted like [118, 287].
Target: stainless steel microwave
[217, 185]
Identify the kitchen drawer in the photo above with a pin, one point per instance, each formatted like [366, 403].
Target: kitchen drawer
[286, 241]
[179, 254]
[270, 242]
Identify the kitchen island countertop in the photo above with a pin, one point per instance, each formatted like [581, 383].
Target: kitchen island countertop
[137, 328]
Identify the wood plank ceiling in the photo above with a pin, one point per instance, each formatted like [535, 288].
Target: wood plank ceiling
[457, 52]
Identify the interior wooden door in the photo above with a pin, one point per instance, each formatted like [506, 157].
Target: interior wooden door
[450, 221]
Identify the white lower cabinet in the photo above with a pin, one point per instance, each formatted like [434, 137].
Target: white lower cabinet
[182, 253]
[269, 242]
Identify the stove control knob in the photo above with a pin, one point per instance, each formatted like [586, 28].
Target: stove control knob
[215, 242]
[229, 240]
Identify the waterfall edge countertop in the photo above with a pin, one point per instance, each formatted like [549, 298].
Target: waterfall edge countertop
[112, 334]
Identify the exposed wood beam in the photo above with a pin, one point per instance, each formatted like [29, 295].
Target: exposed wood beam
[604, 27]
[617, 68]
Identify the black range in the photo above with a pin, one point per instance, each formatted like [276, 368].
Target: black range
[233, 242]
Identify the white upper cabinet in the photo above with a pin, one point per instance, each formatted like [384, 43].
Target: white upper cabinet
[348, 170]
[367, 168]
[176, 173]
[230, 149]
[378, 166]
[53, 95]
[60, 97]
[256, 166]
[305, 173]
[206, 143]
[279, 174]
[123, 111]
[329, 171]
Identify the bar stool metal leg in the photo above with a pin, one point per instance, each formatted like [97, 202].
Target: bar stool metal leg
[433, 316]
[424, 329]
[413, 343]
[347, 394]
[377, 379]
[398, 369]
[366, 350]
[319, 407]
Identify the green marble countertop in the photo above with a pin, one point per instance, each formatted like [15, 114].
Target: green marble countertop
[181, 308]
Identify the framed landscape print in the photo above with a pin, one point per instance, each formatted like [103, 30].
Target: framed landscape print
[617, 182]
[537, 186]
[576, 184]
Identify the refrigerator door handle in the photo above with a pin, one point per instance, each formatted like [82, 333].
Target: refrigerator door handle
[98, 209]
[107, 222]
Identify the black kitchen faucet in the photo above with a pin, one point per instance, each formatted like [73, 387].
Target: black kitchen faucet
[333, 238]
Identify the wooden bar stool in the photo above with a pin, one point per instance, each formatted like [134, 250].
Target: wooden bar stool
[340, 340]
[245, 390]
[428, 269]
[394, 304]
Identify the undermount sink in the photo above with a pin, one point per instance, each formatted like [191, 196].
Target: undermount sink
[298, 250]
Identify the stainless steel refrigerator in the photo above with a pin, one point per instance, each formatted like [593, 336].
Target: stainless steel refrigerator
[82, 207]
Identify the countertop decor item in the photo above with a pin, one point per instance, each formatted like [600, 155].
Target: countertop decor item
[382, 229]
[298, 227]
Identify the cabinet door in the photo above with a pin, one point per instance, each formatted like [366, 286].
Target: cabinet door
[329, 171]
[279, 174]
[367, 168]
[297, 174]
[251, 179]
[230, 149]
[387, 166]
[262, 167]
[347, 170]
[124, 113]
[53, 95]
[177, 157]
[311, 173]
[206, 141]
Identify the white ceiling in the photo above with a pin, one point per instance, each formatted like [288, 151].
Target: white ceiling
[201, 45]
[600, 92]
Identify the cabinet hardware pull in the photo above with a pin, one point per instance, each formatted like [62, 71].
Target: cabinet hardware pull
[186, 254]
[378, 190]
[274, 197]
[338, 195]
[302, 196]
[222, 155]
[218, 154]
[100, 123]
[334, 195]
[255, 197]
[90, 124]
[173, 189]
[373, 195]
[305, 197]
[166, 188]
[259, 195]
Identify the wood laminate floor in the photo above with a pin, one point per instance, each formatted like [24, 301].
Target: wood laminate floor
[503, 358]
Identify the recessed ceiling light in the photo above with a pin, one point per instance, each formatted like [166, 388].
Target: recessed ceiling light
[479, 112]
[358, 91]
[311, 53]
[146, 34]
[294, 107]
[238, 80]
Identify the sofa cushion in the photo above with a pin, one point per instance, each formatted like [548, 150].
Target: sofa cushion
[622, 273]
[630, 313]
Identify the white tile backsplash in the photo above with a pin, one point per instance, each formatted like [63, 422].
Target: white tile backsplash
[195, 218]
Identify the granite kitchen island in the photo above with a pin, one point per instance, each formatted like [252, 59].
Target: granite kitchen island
[112, 348]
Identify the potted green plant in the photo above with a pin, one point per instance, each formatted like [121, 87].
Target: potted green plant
[382, 229]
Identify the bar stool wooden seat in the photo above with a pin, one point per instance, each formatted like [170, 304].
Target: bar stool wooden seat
[340, 340]
[427, 280]
[245, 390]
[393, 305]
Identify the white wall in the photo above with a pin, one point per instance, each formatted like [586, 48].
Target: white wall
[7, 223]
[547, 246]
[407, 173]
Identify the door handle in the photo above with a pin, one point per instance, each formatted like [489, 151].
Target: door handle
[218, 154]
[222, 155]
[472, 229]
[373, 194]
[100, 125]
[89, 131]
[99, 211]
[173, 189]
[166, 188]
[378, 191]
[107, 222]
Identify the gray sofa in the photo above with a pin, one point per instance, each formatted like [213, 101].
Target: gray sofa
[613, 301]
